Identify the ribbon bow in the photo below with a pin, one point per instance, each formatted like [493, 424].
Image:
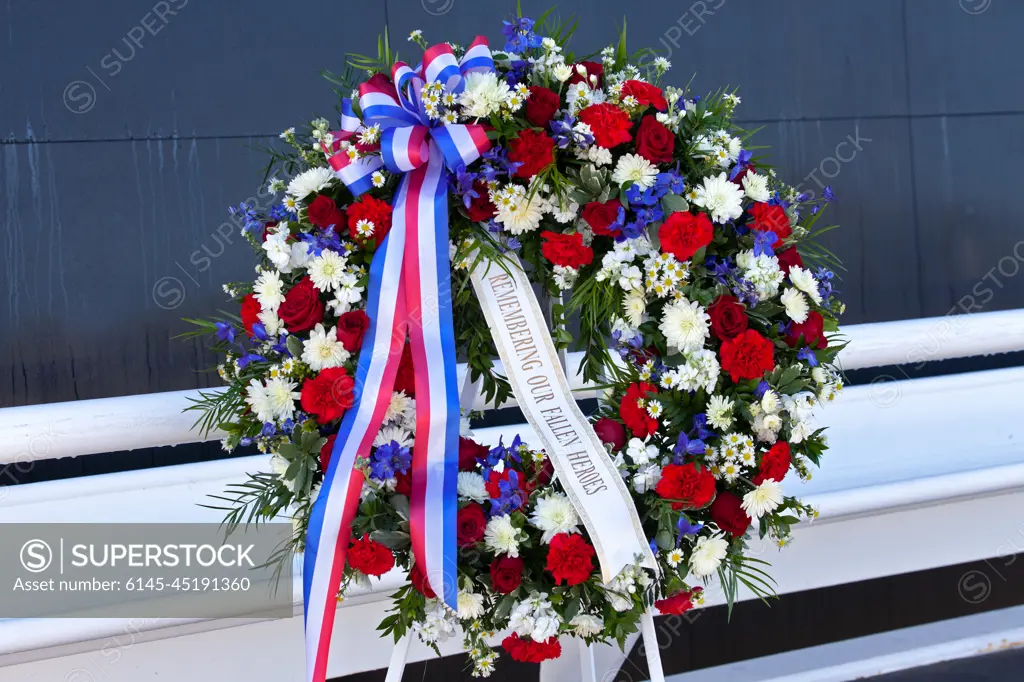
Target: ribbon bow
[409, 294]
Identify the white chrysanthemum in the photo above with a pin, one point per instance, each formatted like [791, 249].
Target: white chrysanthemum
[795, 304]
[279, 251]
[323, 350]
[719, 197]
[327, 270]
[279, 465]
[309, 181]
[586, 625]
[554, 514]
[763, 499]
[401, 410]
[633, 168]
[805, 282]
[471, 605]
[518, 212]
[483, 95]
[707, 555]
[472, 487]
[275, 400]
[393, 433]
[685, 325]
[756, 187]
[271, 322]
[770, 402]
[562, 72]
[269, 290]
[501, 537]
[635, 309]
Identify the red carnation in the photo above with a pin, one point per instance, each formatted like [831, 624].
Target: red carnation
[611, 432]
[600, 217]
[591, 68]
[323, 212]
[470, 452]
[747, 356]
[727, 512]
[506, 574]
[788, 258]
[529, 651]
[370, 557]
[373, 210]
[728, 317]
[250, 313]
[470, 525]
[654, 141]
[770, 218]
[683, 234]
[775, 464]
[645, 94]
[327, 395]
[566, 250]
[405, 380]
[351, 328]
[302, 308]
[534, 150]
[812, 330]
[609, 124]
[541, 106]
[679, 603]
[570, 558]
[420, 583]
[634, 416]
[481, 208]
[689, 486]
[326, 451]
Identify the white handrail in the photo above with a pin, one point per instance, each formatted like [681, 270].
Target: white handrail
[55, 430]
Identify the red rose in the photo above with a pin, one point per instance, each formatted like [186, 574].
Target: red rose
[405, 380]
[420, 583]
[727, 512]
[323, 212]
[403, 483]
[788, 258]
[267, 227]
[327, 395]
[683, 234]
[679, 603]
[480, 207]
[645, 94]
[728, 317]
[302, 308]
[470, 524]
[374, 211]
[600, 217]
[654, 141]
[775, 464]
[611, 432]
[529, 651]
[326, 451]
[351, 327]
[635, 417]
[770, 218]
[370, 557]
[506, 574]
[690, 486]
[470, 452]
[592, 69]
[570, 558]
[541, 106]
[812, 330]
[250, 313]
[748, 169]
[566, 250]
[534, 150]
[609, 124]
[537, 475]
[747, 356]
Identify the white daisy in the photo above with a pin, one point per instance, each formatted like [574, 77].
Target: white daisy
[393, 433]
[633, 168]
[323, 350]
[795, 304]
[554, 514]
[327, 270]
[269, 290]
[685, 325]
[756, 187]
[674, 557]
[309, 181]
[501, 537]
[719, 197]
[472, 487]
[471, 605]
[707, 555]
[763, 499]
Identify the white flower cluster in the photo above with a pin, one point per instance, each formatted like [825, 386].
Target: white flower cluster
[438, 625]
[534, 617]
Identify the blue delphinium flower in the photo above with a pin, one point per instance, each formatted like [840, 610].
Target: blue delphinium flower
[388, 460]
[808, 356]
[685, 527]
[764, 243]
[463, 185]
[742, 161]
[828, 195]
[519, 35]
[226, 331]
[518, 72]
[247, 216]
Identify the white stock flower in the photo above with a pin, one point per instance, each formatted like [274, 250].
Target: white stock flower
[279, 251]
[646, 478]
[641, 453]
[720, 198]
[309, 181]
[685, 325]
[707, 555]
[323, 350]
[554, 514]
[763, 499]
[472, 487]
[587, 625]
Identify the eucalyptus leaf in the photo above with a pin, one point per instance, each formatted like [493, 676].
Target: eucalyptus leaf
[294, 345]
[674, 203]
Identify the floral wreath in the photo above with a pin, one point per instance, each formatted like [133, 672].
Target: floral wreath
[703, 304]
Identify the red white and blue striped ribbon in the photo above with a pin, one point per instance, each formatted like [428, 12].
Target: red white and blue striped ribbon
[409, 294]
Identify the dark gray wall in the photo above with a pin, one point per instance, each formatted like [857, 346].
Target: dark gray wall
[118, 166]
